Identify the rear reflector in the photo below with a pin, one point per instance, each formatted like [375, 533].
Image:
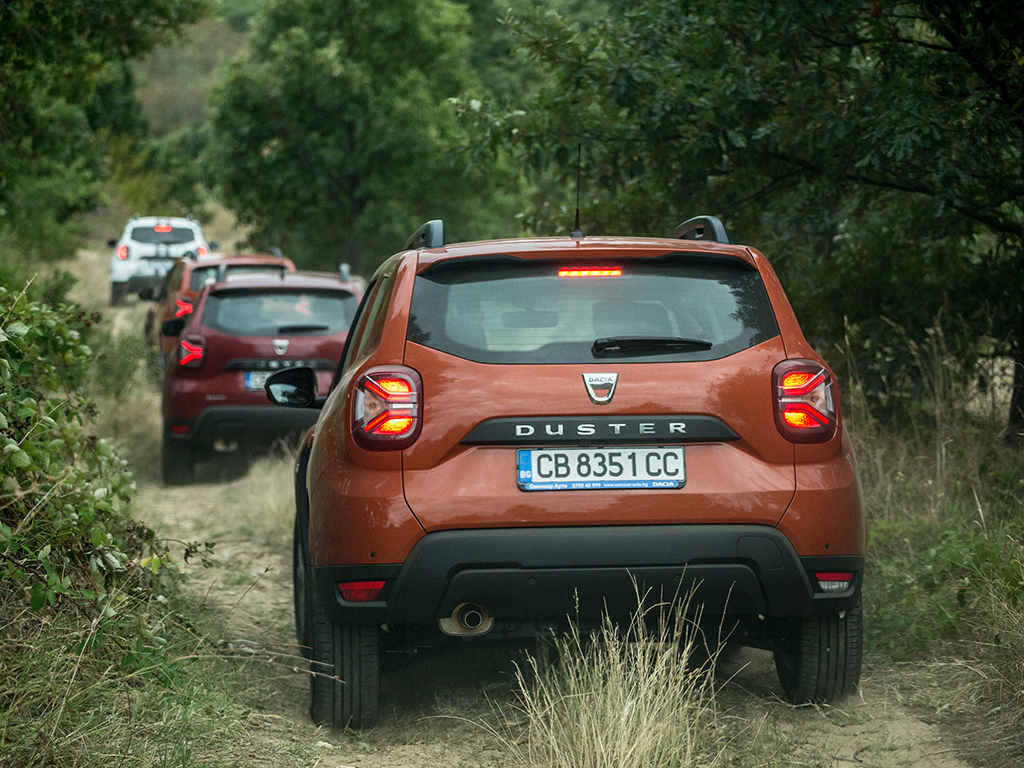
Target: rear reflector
[585, 272]
[360, 591]
[181, 429]
[834, 582]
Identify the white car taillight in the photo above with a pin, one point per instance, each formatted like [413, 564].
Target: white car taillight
[805, 401]
[387, 408]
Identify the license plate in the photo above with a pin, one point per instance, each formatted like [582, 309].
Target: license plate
[584, 469]
[256, 379]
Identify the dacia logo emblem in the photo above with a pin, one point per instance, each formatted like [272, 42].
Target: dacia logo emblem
[280, 346]
[600, 386]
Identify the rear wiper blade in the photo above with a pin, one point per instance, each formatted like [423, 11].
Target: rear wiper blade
[301, 328]
[646, 345]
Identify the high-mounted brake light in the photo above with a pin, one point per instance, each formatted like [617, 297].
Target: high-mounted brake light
[191, 353]
[588, 272]
[162, 228]
[122, 252]
[182, 307]
[805, 401]
[387, 408]
[360, 591]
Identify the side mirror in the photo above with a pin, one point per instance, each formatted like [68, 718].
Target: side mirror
[173, 327]
[214, 245]
[294, 387]
[146, 294]
[112, 243]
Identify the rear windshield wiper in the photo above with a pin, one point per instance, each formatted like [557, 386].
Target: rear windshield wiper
[646, 345]
[301, 328]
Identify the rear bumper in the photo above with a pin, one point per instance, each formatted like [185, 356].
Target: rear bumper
[247, 425]
[549, 574]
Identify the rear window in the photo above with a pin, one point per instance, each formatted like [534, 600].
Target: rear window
[163, 235]
[508, 312]
[272, 313]
[201, 274]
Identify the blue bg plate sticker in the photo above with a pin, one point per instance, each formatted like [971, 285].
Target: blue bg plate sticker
[585, 469]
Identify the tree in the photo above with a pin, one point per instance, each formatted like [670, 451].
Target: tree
[333, 136]
[52, 56]
[874, 149]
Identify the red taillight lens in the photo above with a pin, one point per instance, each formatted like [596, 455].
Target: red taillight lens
[591, 272]
[122, 252]
[805, 401]
[182, 307]
[202, 250]
[162, 228]
[360, 591]
[191, 353]
[387, 408]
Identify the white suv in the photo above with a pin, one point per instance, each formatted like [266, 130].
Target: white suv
[148, 248]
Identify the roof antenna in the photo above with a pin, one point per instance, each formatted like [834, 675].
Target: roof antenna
[577, 233]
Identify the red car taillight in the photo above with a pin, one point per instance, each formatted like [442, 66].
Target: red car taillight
[202, 250]
[182, 307]
[122, 252]
[387, 408]
[191, 352]
[805, 401]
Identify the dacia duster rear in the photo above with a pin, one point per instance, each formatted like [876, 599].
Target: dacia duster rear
[524, 433]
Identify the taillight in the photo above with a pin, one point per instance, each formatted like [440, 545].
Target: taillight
[182, 307]
[122, 252]
[360, 591]
[202, 250]
[387, 408]
[191, 352]
[805, 401]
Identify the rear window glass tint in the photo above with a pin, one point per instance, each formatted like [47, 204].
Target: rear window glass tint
[201, 274]
[176, 236]
[526, 313]
[272, 313]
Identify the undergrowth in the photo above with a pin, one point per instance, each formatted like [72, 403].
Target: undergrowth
[102, 658]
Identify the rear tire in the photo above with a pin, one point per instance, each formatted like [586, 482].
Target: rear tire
[176, 462]
[344, 684]
[819, 659]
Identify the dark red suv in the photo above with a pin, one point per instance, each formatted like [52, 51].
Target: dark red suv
[242, 330]
[522, 430]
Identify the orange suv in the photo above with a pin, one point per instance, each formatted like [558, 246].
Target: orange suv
[521, 429]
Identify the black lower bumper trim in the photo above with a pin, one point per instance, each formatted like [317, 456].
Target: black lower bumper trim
[580, 572]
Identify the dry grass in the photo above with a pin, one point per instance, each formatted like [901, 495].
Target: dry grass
[632, 698]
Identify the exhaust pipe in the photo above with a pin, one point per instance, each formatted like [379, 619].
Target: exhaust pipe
[467, 620]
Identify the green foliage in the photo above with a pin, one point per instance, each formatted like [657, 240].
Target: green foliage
[873, 152]
[60, 80]
[65, 531]
[333, 135]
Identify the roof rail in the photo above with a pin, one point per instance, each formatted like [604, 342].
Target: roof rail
[430, 235]
[708, 228]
